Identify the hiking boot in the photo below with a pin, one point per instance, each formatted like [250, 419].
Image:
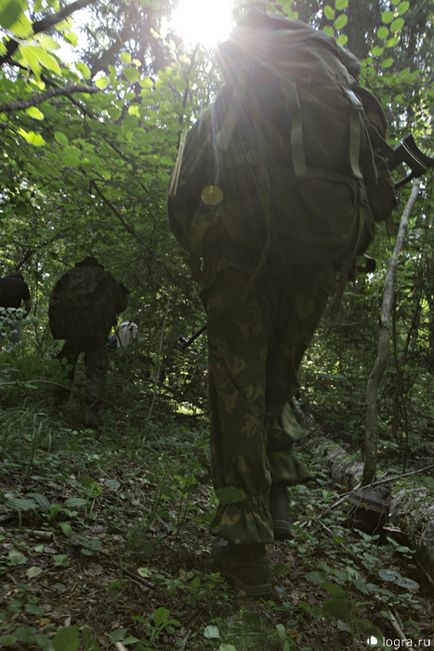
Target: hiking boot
[246, 566]
[280, 512]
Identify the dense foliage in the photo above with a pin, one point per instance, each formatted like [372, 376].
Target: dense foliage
[94, 96]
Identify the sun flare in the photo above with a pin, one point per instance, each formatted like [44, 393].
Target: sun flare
[202, 21]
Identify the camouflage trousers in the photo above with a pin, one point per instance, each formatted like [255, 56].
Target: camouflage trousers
[95, 361]
[257, 335]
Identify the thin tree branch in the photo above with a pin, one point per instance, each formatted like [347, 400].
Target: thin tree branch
[44, 24]
[43, 97]
[118, 215]
[380, 482]
[371, 425]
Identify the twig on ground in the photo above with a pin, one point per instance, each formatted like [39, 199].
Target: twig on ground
[395, 625]
[386, 480]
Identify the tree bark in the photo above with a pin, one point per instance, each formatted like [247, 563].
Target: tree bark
[35, 100]
[411, 509]
[371, 424]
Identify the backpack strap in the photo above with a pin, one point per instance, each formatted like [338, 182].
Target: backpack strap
[297, 143]
[354, 144]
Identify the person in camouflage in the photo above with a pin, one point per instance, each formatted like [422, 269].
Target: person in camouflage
[13, 290]
[257, 335]
[84, 305]
[268, 200]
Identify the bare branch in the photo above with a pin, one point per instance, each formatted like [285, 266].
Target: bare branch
[380, 364]
[118, 215]
[38, 99]
[45, 24]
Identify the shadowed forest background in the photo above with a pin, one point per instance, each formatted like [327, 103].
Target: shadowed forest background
[103, 537]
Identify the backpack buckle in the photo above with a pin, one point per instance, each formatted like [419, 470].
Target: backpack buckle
[353, 99]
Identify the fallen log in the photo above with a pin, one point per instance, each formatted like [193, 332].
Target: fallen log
[410, 509]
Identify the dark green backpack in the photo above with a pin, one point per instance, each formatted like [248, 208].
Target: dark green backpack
[84, 303]
[288, 159]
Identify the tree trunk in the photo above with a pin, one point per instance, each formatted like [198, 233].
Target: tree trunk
[371, 425]
[410, 509]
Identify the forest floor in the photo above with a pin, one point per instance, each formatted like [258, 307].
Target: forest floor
[104, 544]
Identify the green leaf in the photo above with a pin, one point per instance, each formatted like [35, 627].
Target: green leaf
[91, 486]
[387, 63]
[16, 558]
[343, 626]
[10, 11]
[20, 503]
[41, 500]
[391, 42]
[340, 21]
[397, 25]
[47, 42]
[118, 635]
[341, 4]
[64, 25]
[132, 74]
[48, 61]
[22, 27]
[342, 39]
[30, 59]
[377, 51]
[60, 138]
[74, 502]
[125, 57]
[67, 639]
[93, 544]
[102, 82]
[403, 7]
[382, 33]
[281, 632]
[71, 37]
[328, 29]
[134, 110]
[32, 138]
[84, 70]
[387, 17]
[160, 616]
[66, 529]
[33, 572]
[316, 577]
[145, 572]
[60, 560]
[389, 575]
[334, 590]
[114, 484]
[71, 158]
[212, 633]
[35, 113]
[408, 584]
[329, 12]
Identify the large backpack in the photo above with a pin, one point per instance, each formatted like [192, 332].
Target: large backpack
[84, 303]
[288, 159]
